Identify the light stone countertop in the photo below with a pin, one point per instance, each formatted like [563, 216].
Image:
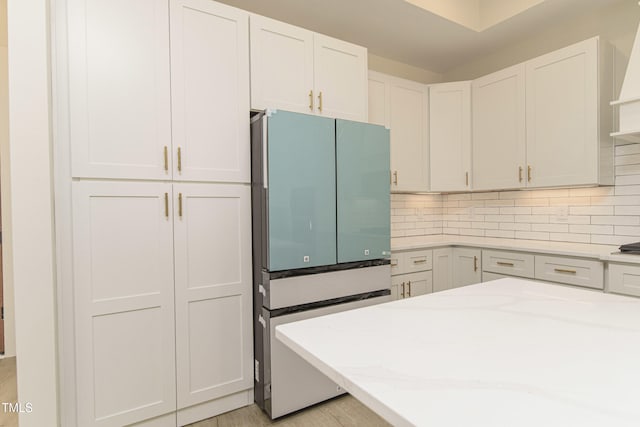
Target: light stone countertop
[505, 353]
[582, 250]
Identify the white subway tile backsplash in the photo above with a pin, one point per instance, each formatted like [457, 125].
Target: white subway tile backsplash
[616, 220]
[507, 234]
[551, 228]
[591, 229]
[517, 226]
[570, 237]
[531, 235]
[591, 210]
[627, 230]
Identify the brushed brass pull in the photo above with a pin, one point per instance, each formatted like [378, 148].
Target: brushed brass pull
[409, 286]
[505, 264]
[166, 205]
[394, 264]
[311, 100]
[179, 159]
[466, 179]
[419, 261]
[563, 270]
[519, 173]
[180, 205]
[395, 177]
[529, 173]
[475, 263]
[320, 102]
[402, 289]
[166, 158]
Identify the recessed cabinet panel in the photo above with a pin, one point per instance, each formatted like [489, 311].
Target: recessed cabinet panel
[499, 130]
[210, 91]
[362, 162]
[378, 101]
[124, 301]
[562, 116]
[120, 112]
[302, 191]
[340, 78]
[212, 287]
[467, 266]
[281, 66]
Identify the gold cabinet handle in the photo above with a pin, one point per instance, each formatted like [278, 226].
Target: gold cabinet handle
[529, 173]
[402, 289]
[409, 286]
[519, 173]
[475, 263]
[505, 264]
[394, 264]
[179, 159]
[320, 101]
[311, 100]
[395, 177]
[563, 270]
[419, 261]
[466, 179]
[166, 158]
[166, 205]
[180, 205]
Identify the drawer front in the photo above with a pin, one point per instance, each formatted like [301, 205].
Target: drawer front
[412, 285]
[579, 272]
[624, 279]
[418, 261]
[509, 263]
[397, 263]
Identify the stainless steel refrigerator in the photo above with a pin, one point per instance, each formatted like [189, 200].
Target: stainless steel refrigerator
[321, 239]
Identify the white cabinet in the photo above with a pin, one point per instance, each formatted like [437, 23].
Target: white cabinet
[508, 263]
[210, 91]
[499, 148]
[411, 273]
[624, 279]
[588, 273]
[213, 282]
[442, 269]
[450, 136]
[124, 301]
[119, 88]
[402, 105]
[297, 70]
[565, 142]
[467, 266]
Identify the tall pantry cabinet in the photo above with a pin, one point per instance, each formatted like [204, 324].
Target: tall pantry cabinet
[159, 140]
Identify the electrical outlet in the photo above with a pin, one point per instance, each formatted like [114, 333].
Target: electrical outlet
[562, 214]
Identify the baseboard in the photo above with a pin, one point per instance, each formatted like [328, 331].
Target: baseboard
[215, 407]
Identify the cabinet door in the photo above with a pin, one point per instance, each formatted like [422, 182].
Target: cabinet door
[408, 120]
[212, 237]
[442, 269]
[418, 283]
[120, 112]
[398, 287]
[378, 98]
[302, 191]
[363, 205]
[467, 266]
[210, 91]
[562, 116]
[281, 66]
[340, 78]
[450, 136]
[498, 130]
[124, 301]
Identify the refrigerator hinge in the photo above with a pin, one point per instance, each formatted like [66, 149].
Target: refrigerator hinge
[262, 290]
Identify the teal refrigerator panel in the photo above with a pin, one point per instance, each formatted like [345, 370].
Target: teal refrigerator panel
[301, 190]
[362, 162]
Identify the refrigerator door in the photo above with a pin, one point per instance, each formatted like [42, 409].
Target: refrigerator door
[362, 153]
[301, 190]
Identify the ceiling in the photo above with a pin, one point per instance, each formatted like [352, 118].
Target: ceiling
[405, 32]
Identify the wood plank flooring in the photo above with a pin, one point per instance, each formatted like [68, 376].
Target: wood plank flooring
[344, 411]
[8, 391]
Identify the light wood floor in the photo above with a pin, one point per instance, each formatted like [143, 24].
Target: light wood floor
[343, 411]
[8, 391]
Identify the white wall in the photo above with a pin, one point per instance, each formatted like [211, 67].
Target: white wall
[405, 71]
[5, 190]
[32, 210]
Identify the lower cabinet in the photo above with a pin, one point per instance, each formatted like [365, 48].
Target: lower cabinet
[624, 279]
[467, 266]
[442, 269]
[411, 273]
[162, 284]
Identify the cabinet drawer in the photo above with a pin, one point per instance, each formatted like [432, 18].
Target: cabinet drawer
[509, 263]
[397, 263]
[579, 272]
[418, 261]
[624, 279]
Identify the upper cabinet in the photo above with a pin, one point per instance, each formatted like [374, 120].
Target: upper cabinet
[568, 139]
[499, 149]
[210, 91]
[297, 70]
[119, 89]
[402, 106]
[450, 136]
